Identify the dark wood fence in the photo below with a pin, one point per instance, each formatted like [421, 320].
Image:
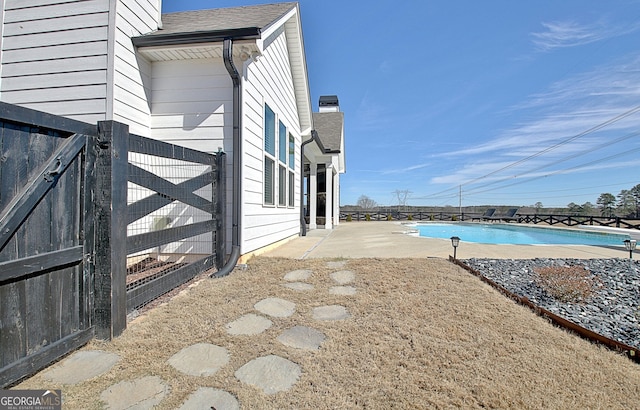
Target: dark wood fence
[63, 232]
[567, 220]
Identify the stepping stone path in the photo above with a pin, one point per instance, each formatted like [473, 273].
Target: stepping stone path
[210, 398]
[249, 324]
[299, 286]
[276, 307]
[343, 290]
[201, 359]
[332, 312]
[298, 275]
[81, 366]
[343, 277]
[142, 393]
[271, 373]
[302, 337]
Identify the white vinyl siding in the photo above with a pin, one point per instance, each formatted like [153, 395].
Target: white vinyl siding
[268, 81]
[191, 106]
[131, 73]
[54, 57]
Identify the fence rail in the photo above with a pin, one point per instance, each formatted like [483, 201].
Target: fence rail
[547, 219]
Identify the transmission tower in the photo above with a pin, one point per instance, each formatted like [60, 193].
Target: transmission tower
[403, 196]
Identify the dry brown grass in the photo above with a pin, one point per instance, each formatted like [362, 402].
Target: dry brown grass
[424, 334]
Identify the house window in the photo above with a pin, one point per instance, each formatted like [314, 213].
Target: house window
[292, 152]
[279, 161]
[282, 164]
[282, 143]
[291, 188]
[282, 185]
[269, 155]
[268, 181]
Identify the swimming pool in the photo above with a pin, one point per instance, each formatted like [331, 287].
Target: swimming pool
[503, 234]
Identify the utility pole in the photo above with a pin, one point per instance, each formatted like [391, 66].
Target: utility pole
[460, 200]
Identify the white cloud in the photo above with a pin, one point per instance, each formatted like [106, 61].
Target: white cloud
[405, 169]
[566, 34]
[566, 110]
[560, 34]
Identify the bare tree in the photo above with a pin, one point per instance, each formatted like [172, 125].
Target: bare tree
[364, 202]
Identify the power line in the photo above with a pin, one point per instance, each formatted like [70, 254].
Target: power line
[561, 143]
[546, 150]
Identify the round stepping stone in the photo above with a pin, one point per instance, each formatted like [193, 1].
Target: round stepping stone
[342, 290]
[331, 312]
[298, 275]
[142, 393]
[343, 277]
[201, 359]
[249, 324]
[299, 286]
[336, 264]
[271, 373]
[302, 337]
[276, 307]
[82, 365]
[210, 398]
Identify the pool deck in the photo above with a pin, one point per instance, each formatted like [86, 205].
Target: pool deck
[389, 240]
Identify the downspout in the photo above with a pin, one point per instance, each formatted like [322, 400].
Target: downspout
[303, 222]
[227, 56]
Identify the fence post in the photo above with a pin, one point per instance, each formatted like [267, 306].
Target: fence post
[110, 198]
[220, 200]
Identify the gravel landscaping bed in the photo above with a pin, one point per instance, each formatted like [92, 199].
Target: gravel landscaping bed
[612, 311]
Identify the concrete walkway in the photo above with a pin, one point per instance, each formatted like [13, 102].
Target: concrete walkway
[390, 240]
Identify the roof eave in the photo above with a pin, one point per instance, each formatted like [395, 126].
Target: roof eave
[248, 33]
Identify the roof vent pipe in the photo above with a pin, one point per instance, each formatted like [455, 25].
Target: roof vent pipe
[227, 56]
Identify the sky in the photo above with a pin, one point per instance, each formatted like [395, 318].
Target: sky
[465, 102]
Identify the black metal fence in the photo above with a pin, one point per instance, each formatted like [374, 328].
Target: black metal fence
[81, 207]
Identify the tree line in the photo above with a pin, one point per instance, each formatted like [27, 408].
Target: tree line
[625, 204]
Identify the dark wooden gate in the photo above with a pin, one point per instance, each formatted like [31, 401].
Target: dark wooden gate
[44, 282]
[64, 214]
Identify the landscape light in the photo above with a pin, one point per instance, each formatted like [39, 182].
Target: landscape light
[455, 241]
[630, 245]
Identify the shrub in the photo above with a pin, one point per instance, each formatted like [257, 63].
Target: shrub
[367, 217]
[410, 217]
[349, 218]
[567, 283]
[454, 217]
[431, 217]
[389, 218]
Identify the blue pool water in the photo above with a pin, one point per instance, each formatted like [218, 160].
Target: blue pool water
[518, 235]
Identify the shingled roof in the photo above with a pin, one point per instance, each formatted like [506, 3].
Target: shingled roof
[329, 126]
[211, 25]
[232, 18]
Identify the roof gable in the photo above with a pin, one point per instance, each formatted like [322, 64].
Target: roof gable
[200, 33]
